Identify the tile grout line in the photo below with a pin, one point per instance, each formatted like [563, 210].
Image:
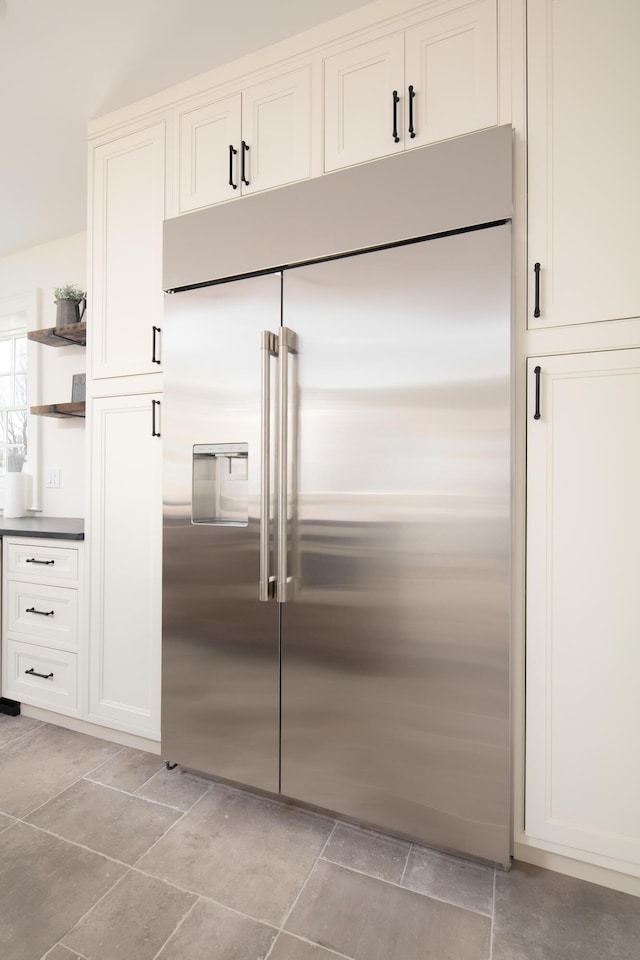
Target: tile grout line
[91, 909]
[392, 883]
[170, 827]
[135, 796]
[176, 928]
[406, 864]
[21, 736]
[299, 894]
[493, 913]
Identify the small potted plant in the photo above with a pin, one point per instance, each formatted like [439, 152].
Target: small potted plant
[68, 300]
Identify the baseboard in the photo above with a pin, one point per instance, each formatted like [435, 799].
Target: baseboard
[581, 870]
[92, 729]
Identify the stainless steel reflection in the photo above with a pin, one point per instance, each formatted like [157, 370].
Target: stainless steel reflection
[368, 486]
[220, 687]
[269, 349]
[395, 664]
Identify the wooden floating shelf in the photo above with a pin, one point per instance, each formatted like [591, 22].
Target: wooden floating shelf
[60, 410]
[72, 334]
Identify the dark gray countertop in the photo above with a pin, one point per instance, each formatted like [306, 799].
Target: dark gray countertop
[52, 528]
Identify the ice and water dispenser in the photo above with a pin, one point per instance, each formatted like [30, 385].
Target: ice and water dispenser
[220, 484]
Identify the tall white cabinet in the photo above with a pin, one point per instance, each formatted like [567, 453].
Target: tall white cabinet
[126, 558]
[584, 156]
[583, 604]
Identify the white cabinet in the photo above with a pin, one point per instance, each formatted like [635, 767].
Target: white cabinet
[246, 142]
[127, 192]
[433, 81]
[583, 606]
[40, 636]
[583, 161]
[125, 564]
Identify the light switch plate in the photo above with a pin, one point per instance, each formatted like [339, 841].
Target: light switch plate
[52, 478]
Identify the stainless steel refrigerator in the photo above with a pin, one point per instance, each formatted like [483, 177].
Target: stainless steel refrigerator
[337, 512]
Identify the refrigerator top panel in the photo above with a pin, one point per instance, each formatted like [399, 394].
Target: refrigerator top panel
[443, 187]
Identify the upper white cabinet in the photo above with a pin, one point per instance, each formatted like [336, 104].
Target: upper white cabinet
[433, 81]
[246, 142]
[583, 606]
[128, 207]
[583, 161]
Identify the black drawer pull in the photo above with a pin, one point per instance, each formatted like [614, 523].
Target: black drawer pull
[154, 345]
[396, 101]
[155, 410]
[45, 563]
[232, 154]
[536, 306]
[43, 613]
[536, 415]
[45, 676]
[412, 94]
[243, 176]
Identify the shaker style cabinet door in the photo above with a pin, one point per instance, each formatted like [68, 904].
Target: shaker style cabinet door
[244, 143]
[208, 136]
[361, 120]
[128, 208]
[444, 72]
[276, 132]
[583, 606]
[583, 161]
[452, 68]
[125, 563]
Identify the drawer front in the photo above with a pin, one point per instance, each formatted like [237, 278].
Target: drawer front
[41, 561]
[40, 676]
[45, 614]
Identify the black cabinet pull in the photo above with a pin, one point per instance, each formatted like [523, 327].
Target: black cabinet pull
[232, 154]
[154, 345]
[43, 613]
[536, 306]
[45, 563]
[396, 101]
[45, 676]
[536, 415]
[243, 172]
[155, 404]
[412, 94]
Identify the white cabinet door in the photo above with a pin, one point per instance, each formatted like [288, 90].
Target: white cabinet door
[125, 567]
[583, 160]
[359, 115]
[451, 69]
[245, 143]
[126, 273]
[208, 136]
[583, 605]
[276, 131]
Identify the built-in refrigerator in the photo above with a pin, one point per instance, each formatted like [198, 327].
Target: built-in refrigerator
[337, 479]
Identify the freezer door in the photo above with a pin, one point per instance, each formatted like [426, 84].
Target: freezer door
[395, 642]
[220, 674]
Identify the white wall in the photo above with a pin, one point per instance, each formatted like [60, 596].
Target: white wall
[63, 441]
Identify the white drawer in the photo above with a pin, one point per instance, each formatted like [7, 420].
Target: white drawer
[39, 560]
[45, 614]
[39, 676]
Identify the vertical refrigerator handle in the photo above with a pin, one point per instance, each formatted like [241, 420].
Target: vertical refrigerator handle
[269, 348]
[288, 343]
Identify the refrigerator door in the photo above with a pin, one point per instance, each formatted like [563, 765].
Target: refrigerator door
[220, 689]
[395, 642]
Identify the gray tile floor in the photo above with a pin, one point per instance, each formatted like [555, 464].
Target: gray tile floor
[106, 855]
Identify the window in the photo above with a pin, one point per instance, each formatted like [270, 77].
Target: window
[13, 394]
[19, 390]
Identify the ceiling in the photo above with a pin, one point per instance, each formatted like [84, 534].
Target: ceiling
[64, 62]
